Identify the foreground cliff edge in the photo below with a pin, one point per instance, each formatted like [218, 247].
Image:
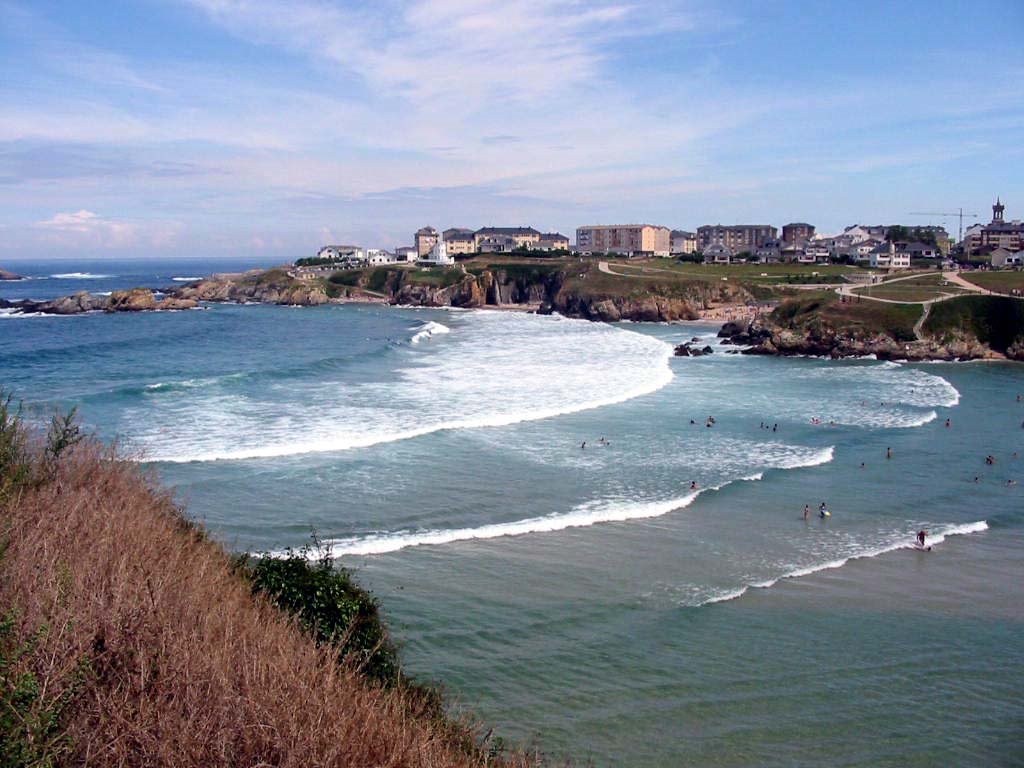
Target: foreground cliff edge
[127, 637]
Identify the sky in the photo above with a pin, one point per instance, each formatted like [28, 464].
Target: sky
[259, 128]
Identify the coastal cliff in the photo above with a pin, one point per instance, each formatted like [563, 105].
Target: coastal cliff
[576, 289]
[965, 328]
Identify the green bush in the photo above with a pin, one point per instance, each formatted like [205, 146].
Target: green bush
[349, 277]
[329, 606]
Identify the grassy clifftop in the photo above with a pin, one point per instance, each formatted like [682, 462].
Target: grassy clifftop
[129, 638]
[857, 318]
[995, 320]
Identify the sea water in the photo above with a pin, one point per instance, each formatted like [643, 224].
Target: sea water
[557, 535]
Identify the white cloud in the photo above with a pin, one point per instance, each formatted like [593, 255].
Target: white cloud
[90, 230]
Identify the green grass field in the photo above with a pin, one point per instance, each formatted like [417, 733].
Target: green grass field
[1000, 282]
[758, 273]
[924, 287]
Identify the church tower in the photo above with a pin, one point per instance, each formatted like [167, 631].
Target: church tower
[997, 212]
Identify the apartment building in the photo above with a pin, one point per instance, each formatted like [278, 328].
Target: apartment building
[797, 232]
[503, 239]
[1000, 233]
[682, 241]
[425, 239]
[736, 237]
[553, 241]
[625, 239]
[459, 241]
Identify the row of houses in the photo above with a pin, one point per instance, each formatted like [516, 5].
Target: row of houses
[891, 246]
[459, 241]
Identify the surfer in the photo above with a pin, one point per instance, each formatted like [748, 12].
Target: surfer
[823, 511]
[920, 537]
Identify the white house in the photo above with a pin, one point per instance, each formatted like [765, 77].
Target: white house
[438, 254]
[815, 251]
[341, 253]
[1004, 258]
[885, 256]
[406, 253]
[377, 256]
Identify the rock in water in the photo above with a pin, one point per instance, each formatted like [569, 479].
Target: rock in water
[134, 300]
[5, 275]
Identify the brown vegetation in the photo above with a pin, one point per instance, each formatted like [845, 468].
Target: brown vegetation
[130, 640]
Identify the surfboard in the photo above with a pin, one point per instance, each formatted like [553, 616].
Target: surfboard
[919, 548]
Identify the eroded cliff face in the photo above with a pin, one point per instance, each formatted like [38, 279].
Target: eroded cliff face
[551, 292]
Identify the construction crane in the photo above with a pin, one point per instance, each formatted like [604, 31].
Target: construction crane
[959, 215]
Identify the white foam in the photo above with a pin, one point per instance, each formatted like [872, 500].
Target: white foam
[500, 369]
[80, 276]
[185, 279]
[429, 329]
[584, 515]
[901, 541]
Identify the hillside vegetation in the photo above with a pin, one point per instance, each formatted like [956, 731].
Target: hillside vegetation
[128, 638]
[995, 320]
[859, 318]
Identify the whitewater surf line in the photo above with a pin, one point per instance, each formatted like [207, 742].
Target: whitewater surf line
[906, 541]
[658, 371]
[582, 516]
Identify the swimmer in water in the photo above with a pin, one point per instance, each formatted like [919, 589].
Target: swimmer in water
[948, 423]
[693, 485]
[920, 537]
[888, 453]
[823, 511]
[807, 511]
[583, 445]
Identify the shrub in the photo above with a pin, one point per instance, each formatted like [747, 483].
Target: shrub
[330, 607]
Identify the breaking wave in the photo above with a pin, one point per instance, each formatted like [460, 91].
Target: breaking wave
[80, 276]
[899, 541]
[583, 515]
[428, 330]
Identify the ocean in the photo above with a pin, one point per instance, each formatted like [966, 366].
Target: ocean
[558, 532]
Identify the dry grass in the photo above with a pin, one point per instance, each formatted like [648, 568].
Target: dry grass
[163, 653]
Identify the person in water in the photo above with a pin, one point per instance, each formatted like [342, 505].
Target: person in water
[693, 485]
[888, 453]
[823, 511]
[583, 445]
[948, 423]
[920, 537]
[807, 511]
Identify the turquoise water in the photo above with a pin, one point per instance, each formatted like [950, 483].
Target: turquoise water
[588, 600]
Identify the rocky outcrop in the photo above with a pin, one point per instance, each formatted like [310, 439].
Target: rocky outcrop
[71, 305]
[271, 287]
[5, 275]
[687, 349]
[134, 300]
[765, 337]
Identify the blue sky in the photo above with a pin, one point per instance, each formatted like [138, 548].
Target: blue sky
[250, 127]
